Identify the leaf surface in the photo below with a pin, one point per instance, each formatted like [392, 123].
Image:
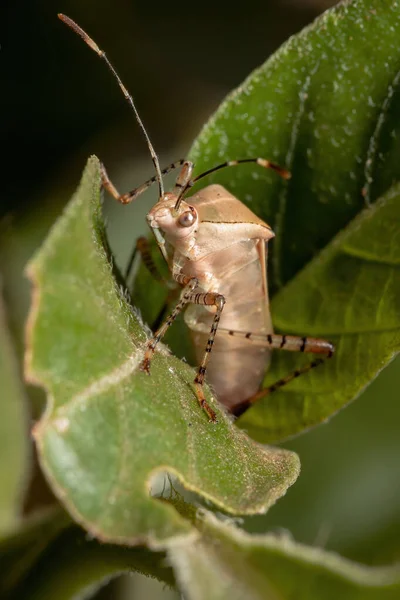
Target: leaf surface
[351, 293]
[227, 564]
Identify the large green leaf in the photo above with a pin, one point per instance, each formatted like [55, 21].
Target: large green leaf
[326, 106]
[109, 428]
[227, 564]
[351, 292]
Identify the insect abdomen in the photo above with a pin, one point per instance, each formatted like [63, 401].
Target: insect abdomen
[236, 367]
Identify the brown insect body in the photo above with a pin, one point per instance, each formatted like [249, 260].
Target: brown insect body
[227, 254]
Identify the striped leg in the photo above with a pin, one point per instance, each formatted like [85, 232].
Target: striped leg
[292, 343]
[142, 246]
[183, 181]
[208, 299]
[189, 295]
[189, 284]
[133, 194]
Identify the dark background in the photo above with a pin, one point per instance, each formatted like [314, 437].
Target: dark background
[179, 60]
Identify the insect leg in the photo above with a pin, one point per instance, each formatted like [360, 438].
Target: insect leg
[217, 300]
[207, 299]
[133, 194]
[276, 341]
[292, 343]
[142, 246]
[189, 285]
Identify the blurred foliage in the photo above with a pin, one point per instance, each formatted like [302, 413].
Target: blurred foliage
[14, 446]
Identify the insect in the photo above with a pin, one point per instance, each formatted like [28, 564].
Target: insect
[215, 248]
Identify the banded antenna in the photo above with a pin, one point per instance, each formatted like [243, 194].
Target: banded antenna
[92, 44]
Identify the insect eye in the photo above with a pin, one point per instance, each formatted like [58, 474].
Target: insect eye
[187, 218]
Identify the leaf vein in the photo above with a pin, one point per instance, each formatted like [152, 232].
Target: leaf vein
[277, 256]
[105, 382]
[373, 143]
[369, 257]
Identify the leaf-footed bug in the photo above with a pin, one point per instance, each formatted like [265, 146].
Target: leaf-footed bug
[215, 248]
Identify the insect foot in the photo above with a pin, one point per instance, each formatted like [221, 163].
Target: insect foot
[145, 365]
[212, 415]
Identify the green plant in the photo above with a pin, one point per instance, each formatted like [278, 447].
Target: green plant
[325, 106]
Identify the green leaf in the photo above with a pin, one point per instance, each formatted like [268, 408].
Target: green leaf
[225, 563]
[347, 497]
[14, 443]
[20, 550]
[92, 564]
[38, 559]
[109, 428]
[351, 292]
[326, 106]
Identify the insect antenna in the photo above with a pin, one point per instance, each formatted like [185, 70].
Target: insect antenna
[262, 162]
[92, 44]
